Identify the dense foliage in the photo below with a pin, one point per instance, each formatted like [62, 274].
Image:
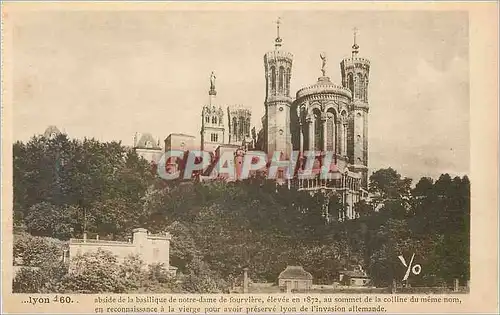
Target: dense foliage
[63, 186]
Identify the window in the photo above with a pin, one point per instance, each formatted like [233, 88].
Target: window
[287, 81]
[235, 127]
[241, 126]
[360, 86]
[317, 130]
[214, 137]
[350, 83]
[214, 120]
[330, 132]
[273, 78]
[207, 119]
[247, 127]
[281, 82]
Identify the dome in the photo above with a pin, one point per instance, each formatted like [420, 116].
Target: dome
[324, 86]
[51, 132]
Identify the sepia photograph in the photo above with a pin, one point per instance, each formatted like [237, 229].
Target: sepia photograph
[241, 152]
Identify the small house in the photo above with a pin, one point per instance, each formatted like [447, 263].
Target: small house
[295, 279]
[354, 278]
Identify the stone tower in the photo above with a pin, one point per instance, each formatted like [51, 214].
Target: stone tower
[278, 72]
[239, 118]
[355, 72]
[212, 121]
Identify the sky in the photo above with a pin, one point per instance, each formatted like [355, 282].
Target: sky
[110, 74]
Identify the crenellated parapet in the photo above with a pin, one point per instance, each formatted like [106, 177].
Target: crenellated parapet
[276, 56]
[356, 62]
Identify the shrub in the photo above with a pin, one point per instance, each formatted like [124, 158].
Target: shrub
[95, 272]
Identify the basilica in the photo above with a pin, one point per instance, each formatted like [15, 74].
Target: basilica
[323, 117]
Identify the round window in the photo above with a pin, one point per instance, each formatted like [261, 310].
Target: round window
[281, 109]
[281, 131]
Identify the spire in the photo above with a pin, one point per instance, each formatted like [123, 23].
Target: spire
[278, 39]
[355, 47]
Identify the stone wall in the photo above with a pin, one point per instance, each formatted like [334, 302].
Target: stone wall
[152, 248]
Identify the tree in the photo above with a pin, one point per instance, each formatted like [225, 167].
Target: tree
[387, 184]
[36, 251]
[96, 272]
[45, 219]
[202, 279]
[183, 247]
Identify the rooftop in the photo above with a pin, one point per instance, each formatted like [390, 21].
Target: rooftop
[324, 86]
[295, 272]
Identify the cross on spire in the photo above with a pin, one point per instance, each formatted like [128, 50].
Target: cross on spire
[355, 46]
[278, 38]
[278, 22]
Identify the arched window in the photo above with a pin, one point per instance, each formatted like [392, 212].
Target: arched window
[359, 86]
[273, 78]
[241, 128]
[281, 81]
[214, 120]
[365, 88]
[207, 119]
[235, 127]
[350, 83]
[330, 130]
[287, 81]
[344, 133]
[318, 143]
[247, 132]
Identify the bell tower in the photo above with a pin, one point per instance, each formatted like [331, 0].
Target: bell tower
[212, 121]
[355, 73]
[278, 72]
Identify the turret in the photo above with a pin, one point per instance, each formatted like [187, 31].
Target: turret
[278, 73]
[355, 73]
[212, 121]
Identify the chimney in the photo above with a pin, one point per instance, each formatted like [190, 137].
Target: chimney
[84, 237]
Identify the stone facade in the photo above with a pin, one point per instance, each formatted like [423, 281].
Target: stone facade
[152, 248]
[278, 73]
[180, 141]
[146, 146]
[239, 125]
[327, 118]
[295, 279]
